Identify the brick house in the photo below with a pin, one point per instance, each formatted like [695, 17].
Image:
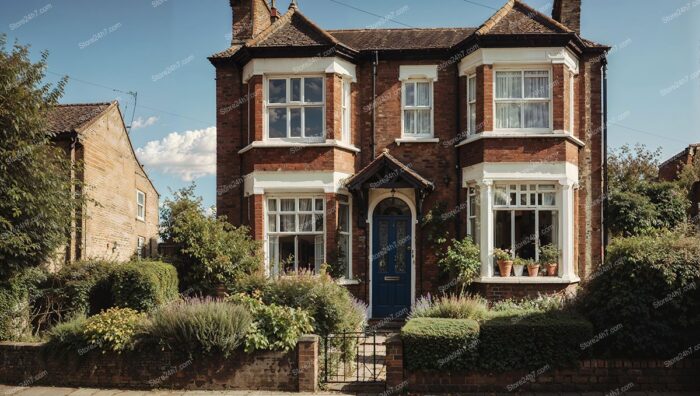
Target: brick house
[121, 218]
[671, 168]
[334, 145]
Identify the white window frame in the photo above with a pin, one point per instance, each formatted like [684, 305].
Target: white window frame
[405, 108]
[473, 196]
[348, 275]
[289, 104]
[572, 103]
[528, 206]
[471, 103]
[345, 111]
[140, 207]
[523, 100]
[270, 235]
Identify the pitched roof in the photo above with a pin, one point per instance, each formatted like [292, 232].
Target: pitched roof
[387, 171]
[516, 17]
[388, 39]
[292, 29]
[71, 117]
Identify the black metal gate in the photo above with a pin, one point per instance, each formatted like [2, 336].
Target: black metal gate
[357, 357]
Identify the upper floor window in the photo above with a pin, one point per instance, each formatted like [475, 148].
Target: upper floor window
[522, 99]
[295, 108]
[418, 108]
[140, 205]
[471, 104]
[345, 111]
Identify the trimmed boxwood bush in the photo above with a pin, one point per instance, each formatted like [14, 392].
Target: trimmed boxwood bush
[143, 285]
[440, 344]
[521, 340]
[650, 286]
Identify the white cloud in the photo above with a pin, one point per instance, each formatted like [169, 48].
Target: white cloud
[141, 123]
[189, 155]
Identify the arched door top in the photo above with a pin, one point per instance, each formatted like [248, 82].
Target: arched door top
[392, 207]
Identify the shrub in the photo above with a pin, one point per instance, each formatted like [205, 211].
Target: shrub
[143, 285]
[274, 327]
[79, 288]
[114, 329]
[331, 305]
[454, 307]
[462, 259]
[200, 327]
[543, 303]
[630, 213]
[440, 344]
[521, 340]
[210, 252]
[649, 286]
[68, 336]
[14, 312]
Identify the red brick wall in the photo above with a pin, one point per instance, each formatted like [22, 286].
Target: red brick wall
[504, 291]
[269, 371]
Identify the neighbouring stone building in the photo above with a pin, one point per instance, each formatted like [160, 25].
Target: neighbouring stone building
[671, 168]
[120, 219]
[334, 146]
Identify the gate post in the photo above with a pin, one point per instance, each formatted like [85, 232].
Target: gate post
[394, 362]
[307, 364]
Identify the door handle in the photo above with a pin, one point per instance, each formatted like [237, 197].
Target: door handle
[392, 278]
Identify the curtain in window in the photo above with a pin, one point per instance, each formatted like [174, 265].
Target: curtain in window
[509, 85]
[508, 115]
[536, 115]
[537, 84]
[318, 252]
[423, 94]
[274, 254]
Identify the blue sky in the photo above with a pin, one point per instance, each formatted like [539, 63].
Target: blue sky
[159, 48]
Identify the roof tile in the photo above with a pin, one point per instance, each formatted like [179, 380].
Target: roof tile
[70, 117]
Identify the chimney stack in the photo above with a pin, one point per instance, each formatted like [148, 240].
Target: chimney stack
[274, 14]
[568, 13]
[250, 17]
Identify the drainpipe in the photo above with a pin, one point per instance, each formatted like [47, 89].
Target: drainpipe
[458, 174]
[606, 189]
[375, 63]
[241, 186]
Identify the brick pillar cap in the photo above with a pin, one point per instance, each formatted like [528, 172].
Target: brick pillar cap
[308, 338]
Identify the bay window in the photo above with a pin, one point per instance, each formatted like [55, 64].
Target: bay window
[522, 99]
[345, 111]
[471, 104]
[417, 108]
[526, 217]
[295, 233]
[295, 108]
[473, 214]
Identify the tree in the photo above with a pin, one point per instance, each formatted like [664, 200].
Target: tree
[628, 167]
[36, 190]
[210, 252]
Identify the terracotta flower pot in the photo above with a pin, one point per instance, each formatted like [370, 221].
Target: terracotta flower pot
[533, 270]
[552, 269]
[505, 266]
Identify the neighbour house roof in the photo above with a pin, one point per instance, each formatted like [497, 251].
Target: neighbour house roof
[686, 151]
[514, 19]
[72, 117]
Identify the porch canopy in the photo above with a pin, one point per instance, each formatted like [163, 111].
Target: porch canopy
[386, 172]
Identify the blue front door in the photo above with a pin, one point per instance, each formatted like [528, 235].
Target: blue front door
[391, 260]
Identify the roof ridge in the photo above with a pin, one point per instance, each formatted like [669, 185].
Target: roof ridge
[493, 19]
[422, 28]
[84, 104]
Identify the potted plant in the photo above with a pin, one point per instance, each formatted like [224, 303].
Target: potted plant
[504, 258]
[549, 256]
[519, 266]
[533, 267]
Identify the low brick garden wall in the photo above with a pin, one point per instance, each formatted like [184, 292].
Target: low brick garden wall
[30, 364]
[608, 376]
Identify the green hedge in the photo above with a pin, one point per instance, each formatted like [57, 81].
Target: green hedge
[14, 312]
[143, 285]
[440, 344]
[520, 340]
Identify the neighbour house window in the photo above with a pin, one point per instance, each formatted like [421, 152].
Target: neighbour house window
[418, 108]
[344, 238]
[525, 217]
[295, 233]
[140, 247]
[140, 205]
[522, 99]
[295, 108]
[473, 213]
[345, 111]
[471, 104]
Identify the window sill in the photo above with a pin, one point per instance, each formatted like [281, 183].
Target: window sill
[529, 280]
[399, 141]
[141, 220]
[288, 144]
[521, 134]
[347, 282]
